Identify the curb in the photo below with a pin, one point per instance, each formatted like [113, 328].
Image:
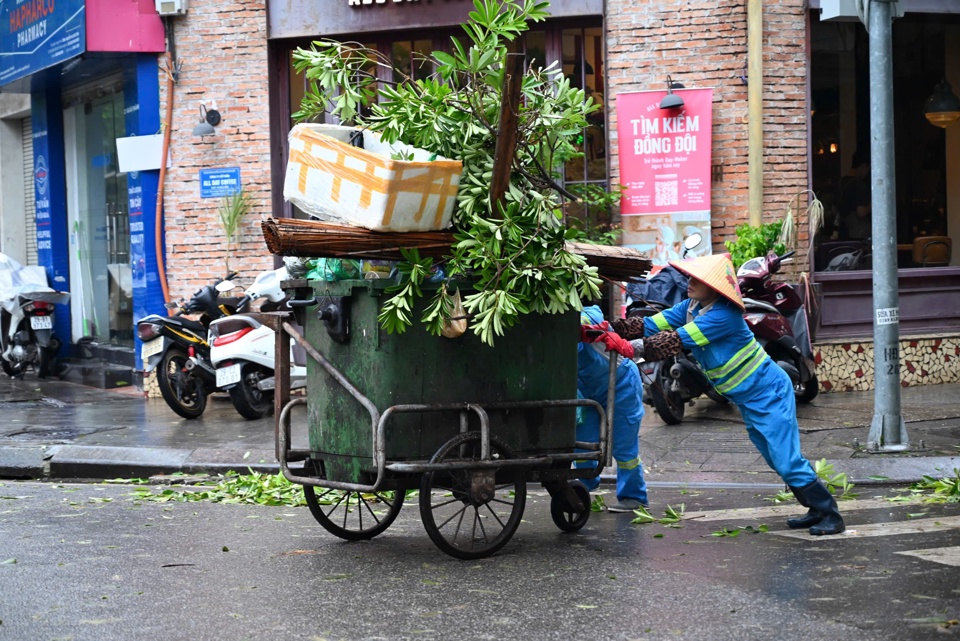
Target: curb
[84, 462]
[106, 462]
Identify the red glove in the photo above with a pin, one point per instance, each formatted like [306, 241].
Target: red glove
[616, 344]
[593, 333]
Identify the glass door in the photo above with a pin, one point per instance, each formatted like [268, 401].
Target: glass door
[100, 283]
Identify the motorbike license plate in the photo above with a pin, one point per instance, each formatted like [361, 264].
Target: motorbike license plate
[41, 322]
[150, 348]
[229, 375]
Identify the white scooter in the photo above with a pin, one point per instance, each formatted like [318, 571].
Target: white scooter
[26, 320]
[242, 349]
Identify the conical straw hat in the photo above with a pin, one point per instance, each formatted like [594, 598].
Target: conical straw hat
[716, 271]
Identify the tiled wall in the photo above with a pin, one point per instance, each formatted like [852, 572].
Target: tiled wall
[848, 365]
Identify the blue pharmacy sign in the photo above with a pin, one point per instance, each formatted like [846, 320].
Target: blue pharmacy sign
[215, 183]
[36, 34]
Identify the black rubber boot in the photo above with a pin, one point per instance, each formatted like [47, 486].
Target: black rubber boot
[823, 502]
[813, 516]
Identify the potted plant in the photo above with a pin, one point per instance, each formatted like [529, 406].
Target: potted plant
[511, 244]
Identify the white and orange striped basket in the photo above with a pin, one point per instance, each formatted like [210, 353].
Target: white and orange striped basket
[332, 180]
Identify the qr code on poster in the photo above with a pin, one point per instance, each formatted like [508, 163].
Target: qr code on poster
[666, 193]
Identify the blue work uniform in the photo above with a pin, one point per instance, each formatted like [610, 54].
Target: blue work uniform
[740, 369]
[593, 373]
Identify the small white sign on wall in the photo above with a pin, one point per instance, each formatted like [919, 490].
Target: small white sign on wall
[140, 153]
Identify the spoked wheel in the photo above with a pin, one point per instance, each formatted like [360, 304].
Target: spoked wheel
[471, 513]
[669, 404]
[248, 399]
[354, 516]
[565, 516]
[182, 391]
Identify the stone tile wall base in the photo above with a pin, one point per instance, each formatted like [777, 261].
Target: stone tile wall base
[844, 366]
[150, 388]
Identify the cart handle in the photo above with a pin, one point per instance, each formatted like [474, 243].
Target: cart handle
[303, 303]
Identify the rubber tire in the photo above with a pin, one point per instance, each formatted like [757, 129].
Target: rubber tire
[11, 370]
[250, 402]
[176, 356]
[45, 361]
[806, 392]
[427, 508]
[352, 498]
[671, 414]
[563, 515]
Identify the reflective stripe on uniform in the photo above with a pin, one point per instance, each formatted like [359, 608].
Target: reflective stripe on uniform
[734, 363]
[755, 361]
[628, 465]
[695, 334]
[661, 322]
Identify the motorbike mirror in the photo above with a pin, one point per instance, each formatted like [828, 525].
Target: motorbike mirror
[692, 241]
[225, 286]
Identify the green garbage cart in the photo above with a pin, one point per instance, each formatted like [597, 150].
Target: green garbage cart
[466, 424]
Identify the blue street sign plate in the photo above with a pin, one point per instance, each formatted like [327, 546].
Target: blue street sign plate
[216, 183]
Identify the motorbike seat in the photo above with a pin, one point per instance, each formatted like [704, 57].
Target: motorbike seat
[192, 325]
[753, 305]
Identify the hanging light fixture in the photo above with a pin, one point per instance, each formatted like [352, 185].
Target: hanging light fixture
[672, 100]
[942, 107]
[209, 118]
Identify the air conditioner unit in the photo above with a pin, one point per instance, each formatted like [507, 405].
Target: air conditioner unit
[171, 7]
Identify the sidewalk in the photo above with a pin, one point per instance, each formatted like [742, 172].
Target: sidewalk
[59, 430]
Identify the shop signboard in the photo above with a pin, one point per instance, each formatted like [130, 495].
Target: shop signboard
[665, 168]
[36, 34]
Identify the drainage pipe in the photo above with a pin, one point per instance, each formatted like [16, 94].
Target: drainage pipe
[755, 110]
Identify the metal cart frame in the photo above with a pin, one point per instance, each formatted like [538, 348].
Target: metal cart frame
[570, 502]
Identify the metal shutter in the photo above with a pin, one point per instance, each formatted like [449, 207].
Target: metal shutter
[29, 192]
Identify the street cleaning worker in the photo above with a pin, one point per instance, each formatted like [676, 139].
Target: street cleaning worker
[710, 323]
[593, 374]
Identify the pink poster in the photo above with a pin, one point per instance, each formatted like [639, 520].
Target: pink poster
[665, 157]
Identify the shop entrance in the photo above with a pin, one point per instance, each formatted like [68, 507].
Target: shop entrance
[100, 284]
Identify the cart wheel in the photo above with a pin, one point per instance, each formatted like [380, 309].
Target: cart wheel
[354, 516]
[564, 516]
[471, 513]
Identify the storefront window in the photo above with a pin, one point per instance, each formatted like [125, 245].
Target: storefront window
[410, 59]
[582, 51]
[841, 137]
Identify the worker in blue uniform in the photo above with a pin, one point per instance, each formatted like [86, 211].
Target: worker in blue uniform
[710, 323]
[593, 372]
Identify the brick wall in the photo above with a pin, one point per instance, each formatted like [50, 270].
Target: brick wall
[703, 44]
[223, 50]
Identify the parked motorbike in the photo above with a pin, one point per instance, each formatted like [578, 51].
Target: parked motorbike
[27, 306]
[671, 384]
[778, 320]
[176, 346]
[858, 258]
[242, 349]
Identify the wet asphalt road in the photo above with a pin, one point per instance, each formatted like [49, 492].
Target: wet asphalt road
[89, 562]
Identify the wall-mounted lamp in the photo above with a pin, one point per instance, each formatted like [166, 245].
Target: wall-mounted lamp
[209, 118]
[942, 107]
[672, 100]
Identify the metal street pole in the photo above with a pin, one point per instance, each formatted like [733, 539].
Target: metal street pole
[887, 430]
